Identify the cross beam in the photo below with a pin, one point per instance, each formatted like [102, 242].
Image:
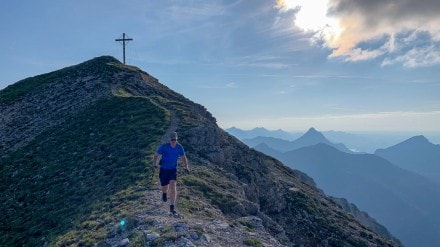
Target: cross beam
[123, 43]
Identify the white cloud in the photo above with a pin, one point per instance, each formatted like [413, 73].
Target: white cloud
[230, 85]
[358, 54]
[352, 29]
[417, 57]
[194, 11]
[260, 60]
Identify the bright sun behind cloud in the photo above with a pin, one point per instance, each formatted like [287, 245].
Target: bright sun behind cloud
[312, 17]
[351, 23]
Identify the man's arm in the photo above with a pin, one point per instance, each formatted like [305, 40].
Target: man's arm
[185, 162]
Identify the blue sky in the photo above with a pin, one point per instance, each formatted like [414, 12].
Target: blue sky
[345, 65]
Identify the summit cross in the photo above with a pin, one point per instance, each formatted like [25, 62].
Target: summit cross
[123, 43]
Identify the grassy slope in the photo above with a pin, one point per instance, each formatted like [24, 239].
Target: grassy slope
[101, 65]
[74, 178]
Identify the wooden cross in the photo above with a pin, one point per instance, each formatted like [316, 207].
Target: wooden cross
[123, 43]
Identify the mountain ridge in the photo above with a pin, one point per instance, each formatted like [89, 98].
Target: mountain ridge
[311, 137]
[260, 131]
[405, 202]
[359, 141]
[82, 162]
[415, 154]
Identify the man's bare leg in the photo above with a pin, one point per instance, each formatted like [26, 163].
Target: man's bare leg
[173, 194]
[164, 192]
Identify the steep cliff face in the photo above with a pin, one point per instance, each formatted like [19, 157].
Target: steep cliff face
[76, 146]
[364, 218]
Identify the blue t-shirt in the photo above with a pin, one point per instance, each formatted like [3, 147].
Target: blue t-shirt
[170, 155]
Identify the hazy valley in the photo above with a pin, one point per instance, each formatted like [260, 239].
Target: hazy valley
[397, 185]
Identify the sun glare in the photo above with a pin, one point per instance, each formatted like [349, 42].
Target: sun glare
[312, 17]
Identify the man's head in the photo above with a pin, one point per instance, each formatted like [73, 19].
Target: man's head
[173, 136]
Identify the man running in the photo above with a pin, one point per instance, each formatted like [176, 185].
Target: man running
[170, 154]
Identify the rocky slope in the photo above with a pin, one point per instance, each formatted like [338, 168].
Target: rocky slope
[364, 218]
[76, 146]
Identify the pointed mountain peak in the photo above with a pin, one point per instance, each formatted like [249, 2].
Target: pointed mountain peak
[312, 130]
[418, 139]
[419, 142]
[312, 137]
[313, 133]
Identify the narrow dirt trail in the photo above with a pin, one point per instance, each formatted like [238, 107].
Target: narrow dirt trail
[174, 121]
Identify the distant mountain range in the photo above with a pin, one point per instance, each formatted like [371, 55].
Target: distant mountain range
[311, 137]
[249, 134]
[387, 187]
[406, 203]
[364, 142]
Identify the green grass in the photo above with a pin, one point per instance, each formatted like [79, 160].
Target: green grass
[211, 191]
[101, 65]
[253, 242]
[74, 181]
[21, 88]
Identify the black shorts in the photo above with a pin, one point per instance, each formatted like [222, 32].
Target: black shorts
[166, 175]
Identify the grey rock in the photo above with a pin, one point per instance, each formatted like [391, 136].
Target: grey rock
[124, 242]
[251, 221]
[180, 227]
[194, 235]
[206, 238]
[152, 236]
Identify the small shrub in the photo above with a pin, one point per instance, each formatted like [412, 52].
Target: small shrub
[253, 242]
